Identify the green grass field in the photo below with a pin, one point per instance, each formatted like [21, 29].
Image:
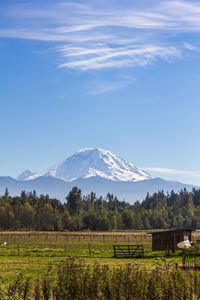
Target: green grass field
[33, 253]
[40, 257]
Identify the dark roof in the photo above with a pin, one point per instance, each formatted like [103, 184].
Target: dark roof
[172, 230]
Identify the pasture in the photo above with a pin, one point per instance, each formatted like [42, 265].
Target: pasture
[34, 254]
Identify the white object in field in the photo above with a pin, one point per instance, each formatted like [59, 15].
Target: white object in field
[184, 244]
[4, 244]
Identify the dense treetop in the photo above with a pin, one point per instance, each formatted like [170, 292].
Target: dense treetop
[32, 212]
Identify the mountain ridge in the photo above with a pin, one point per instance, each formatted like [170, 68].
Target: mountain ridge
[57, 188]
[91, 169]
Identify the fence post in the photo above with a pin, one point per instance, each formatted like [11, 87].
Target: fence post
[89, 249]
[183, 259]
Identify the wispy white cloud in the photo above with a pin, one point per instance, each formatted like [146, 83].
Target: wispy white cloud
[188, 46]
[97, 58]
[173, 171]
[95, 87]
[114, 35]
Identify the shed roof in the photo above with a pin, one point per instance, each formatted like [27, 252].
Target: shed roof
[172, 231]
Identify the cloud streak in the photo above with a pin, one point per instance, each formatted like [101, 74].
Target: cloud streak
[92, 37]
[96, 87]
[173, 171]
[98, 58]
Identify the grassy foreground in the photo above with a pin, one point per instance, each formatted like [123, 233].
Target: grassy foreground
[74, 279]
[33, 253]
[31, 266]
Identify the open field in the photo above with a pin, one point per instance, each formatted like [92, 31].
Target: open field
[34, 253]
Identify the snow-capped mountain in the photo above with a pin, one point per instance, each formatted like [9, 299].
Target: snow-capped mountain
[25, 175]
[91, 169]
[91, 162]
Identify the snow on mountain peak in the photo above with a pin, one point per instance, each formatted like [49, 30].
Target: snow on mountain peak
[25, 175]
[89, 162]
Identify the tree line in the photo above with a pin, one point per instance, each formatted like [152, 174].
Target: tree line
[160, 210]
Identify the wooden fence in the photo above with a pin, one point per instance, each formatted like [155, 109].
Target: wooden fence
[128, 251]
[191, 261]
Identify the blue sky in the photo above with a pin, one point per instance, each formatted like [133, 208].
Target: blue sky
[120, 75]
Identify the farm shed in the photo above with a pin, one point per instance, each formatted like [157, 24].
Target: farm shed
[165, 240]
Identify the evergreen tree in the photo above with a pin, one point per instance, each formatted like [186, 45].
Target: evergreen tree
[74, 200]
[6, 194]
